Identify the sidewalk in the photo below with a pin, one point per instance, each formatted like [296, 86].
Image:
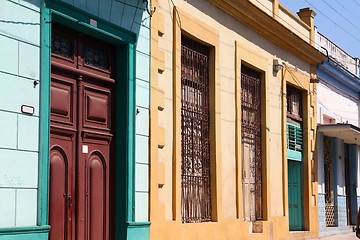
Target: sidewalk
[343, 236]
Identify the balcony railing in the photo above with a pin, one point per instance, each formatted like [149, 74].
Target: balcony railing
[332, 50]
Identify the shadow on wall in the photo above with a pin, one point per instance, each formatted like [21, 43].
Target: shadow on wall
[129, 15]
[26, 24]
[245, 32]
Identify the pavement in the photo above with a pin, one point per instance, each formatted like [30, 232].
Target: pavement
[343, 236]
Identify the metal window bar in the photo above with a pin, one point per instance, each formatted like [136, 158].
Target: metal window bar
[195, 142]
[329, 188]
[294, 101]
[251, 140]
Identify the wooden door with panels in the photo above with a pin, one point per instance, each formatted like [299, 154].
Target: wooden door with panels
[81, 136]
[251, 144]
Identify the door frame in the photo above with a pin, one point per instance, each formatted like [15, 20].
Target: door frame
[124, 41]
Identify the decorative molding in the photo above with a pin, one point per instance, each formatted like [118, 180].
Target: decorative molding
[247, 13]
[26, 233]
[157, 133]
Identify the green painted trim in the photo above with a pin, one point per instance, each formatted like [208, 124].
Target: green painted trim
[24, 230]
[138, 224]
[294, 155]
[138, 230]
[131, 133]
[30, 236]
[80, 20]
[125, 160]
[44, 121]
[26, 233]
[121, 180]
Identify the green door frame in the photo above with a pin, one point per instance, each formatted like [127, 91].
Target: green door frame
[125, 225]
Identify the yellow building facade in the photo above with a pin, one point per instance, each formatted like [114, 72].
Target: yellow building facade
[232, 121]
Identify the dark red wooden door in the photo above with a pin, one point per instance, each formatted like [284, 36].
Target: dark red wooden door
[82, 90]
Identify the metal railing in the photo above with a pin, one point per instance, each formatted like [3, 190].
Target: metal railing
[195, 142]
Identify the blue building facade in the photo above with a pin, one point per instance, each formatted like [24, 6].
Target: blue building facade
[337, 138]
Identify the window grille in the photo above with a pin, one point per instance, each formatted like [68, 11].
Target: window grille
[251, 143]
[195, 142]
[294, 102]
[329, 181]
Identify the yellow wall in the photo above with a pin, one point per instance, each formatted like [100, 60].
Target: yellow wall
[231, 44]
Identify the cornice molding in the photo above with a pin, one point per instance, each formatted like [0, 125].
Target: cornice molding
[338, 73]
[247, 13]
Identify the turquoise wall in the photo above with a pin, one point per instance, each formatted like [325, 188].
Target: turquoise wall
[19, 68]
[23, 172]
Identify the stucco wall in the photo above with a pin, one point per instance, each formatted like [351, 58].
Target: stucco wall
[256, 45]
[19, 68]
[252, 49]
[336, 104]
[290, 20]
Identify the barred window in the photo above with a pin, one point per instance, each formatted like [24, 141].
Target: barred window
[195, 123]
[294, 105]
[251, 143]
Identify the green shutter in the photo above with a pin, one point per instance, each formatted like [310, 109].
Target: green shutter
[294, 142]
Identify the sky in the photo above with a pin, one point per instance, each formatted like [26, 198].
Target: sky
[338, 20]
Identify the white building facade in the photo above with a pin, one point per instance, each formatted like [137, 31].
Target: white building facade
[338, 138]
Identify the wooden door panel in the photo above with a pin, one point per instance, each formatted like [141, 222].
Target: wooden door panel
[295, 196]
[97, 189]
[97, 108]
[63, 102]
[246, 181]
[248, 178]
[97, 197]
[60, 217]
